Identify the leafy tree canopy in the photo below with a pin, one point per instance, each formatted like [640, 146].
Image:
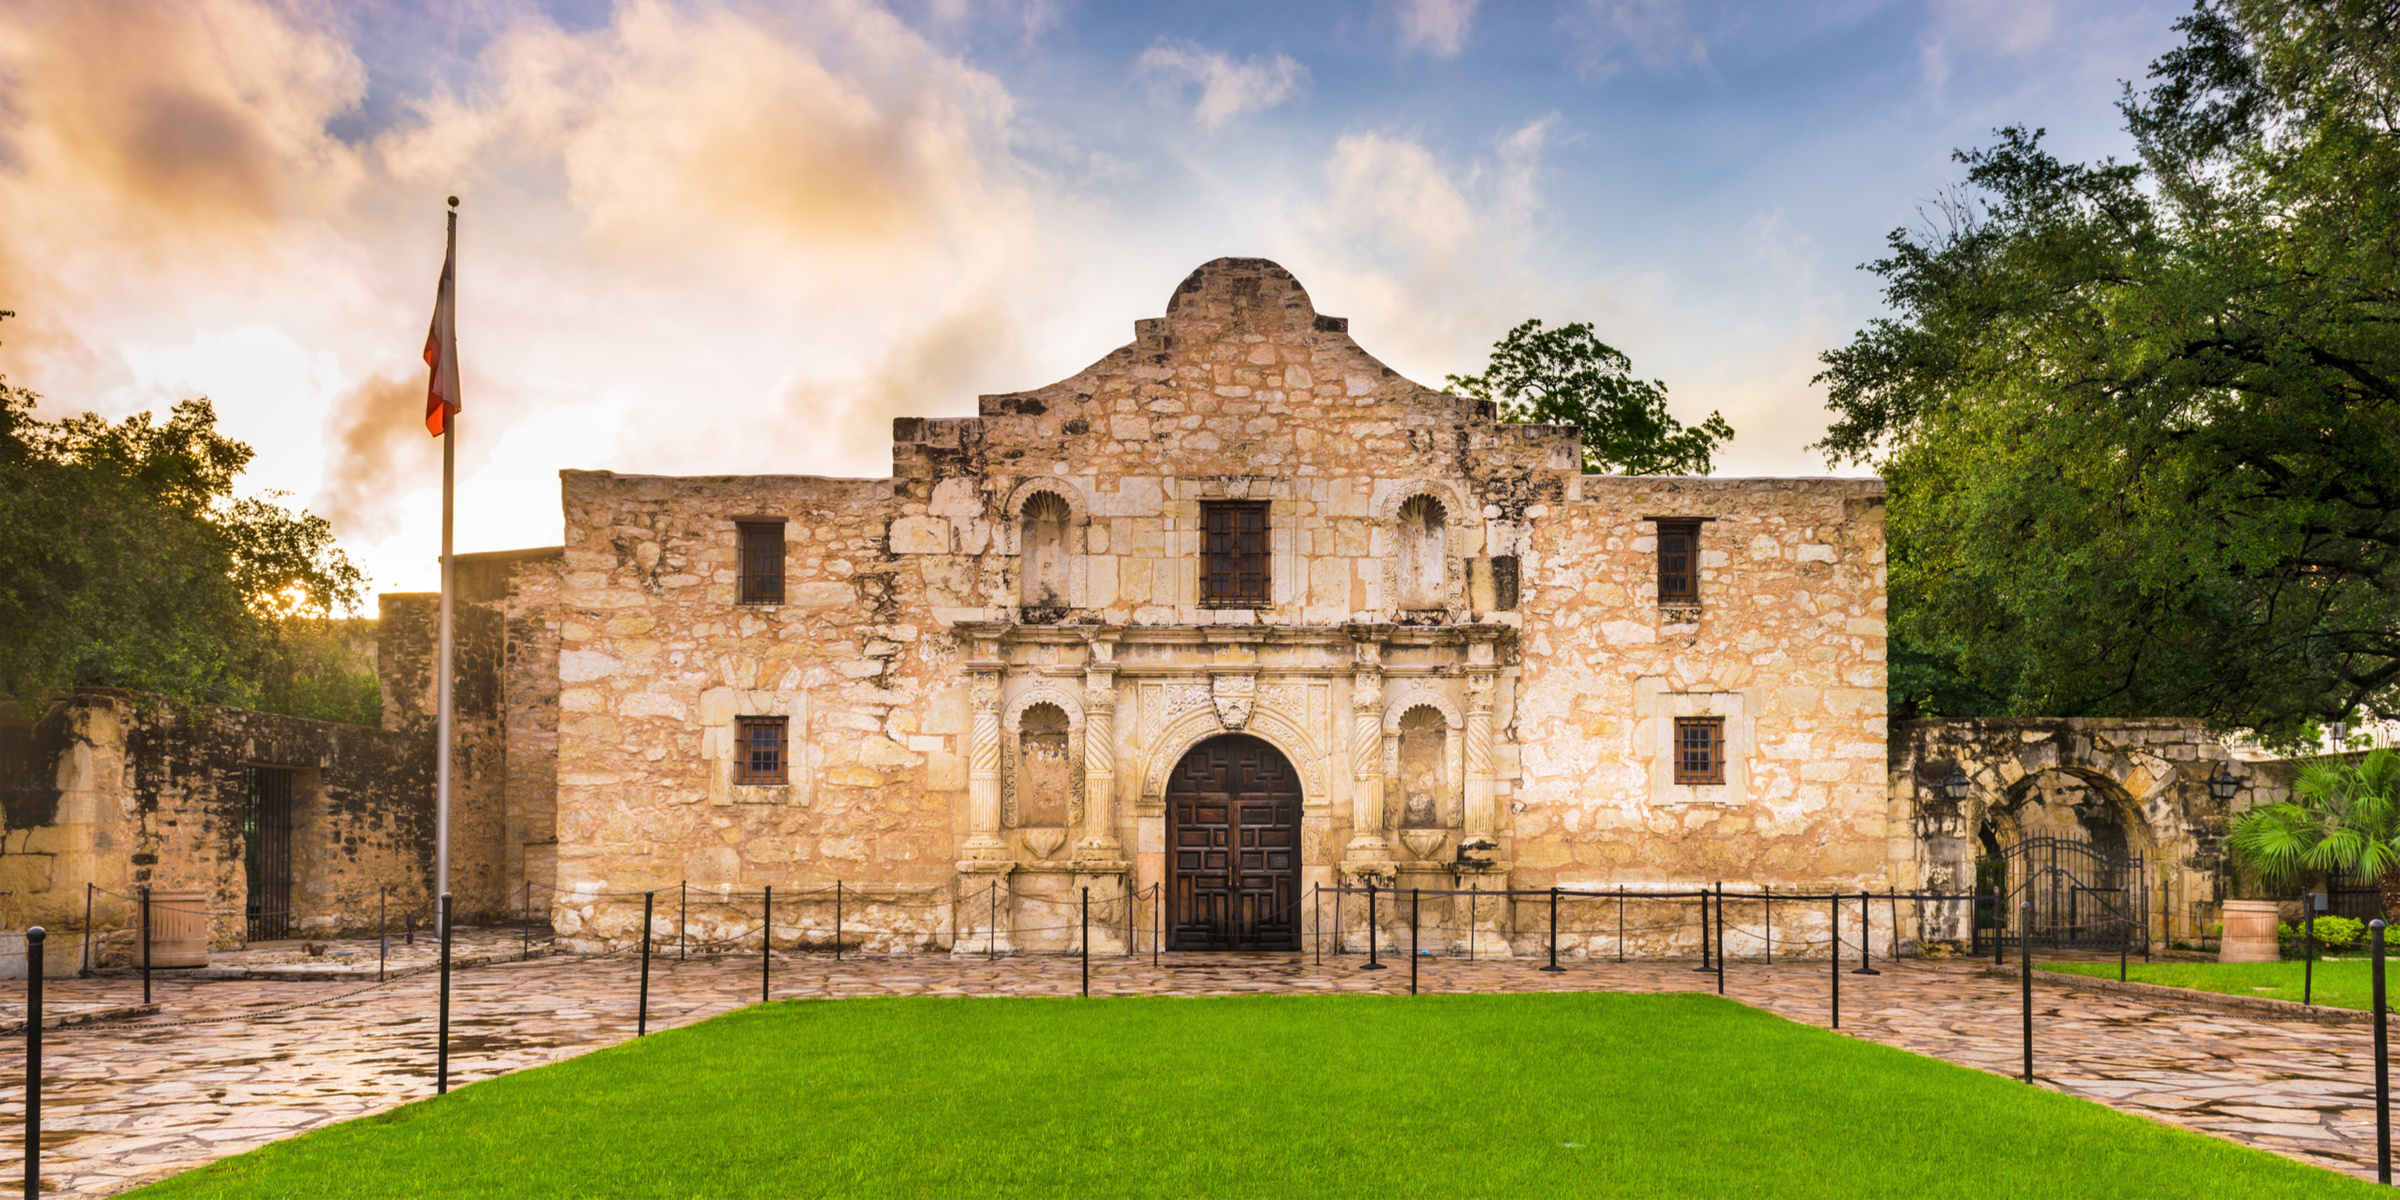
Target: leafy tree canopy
[126, 561]
[1568, 376]
[2141, 421]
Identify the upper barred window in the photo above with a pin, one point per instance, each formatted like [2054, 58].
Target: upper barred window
[1678, 561]
[1234, 553]
[761, 561]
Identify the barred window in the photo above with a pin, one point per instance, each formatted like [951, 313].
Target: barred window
[758, 757]
[761, 567]
[1678, 562]
[1700, 750]
[1234, 537]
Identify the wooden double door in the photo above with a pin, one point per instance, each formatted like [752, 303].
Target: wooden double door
[1234, 859]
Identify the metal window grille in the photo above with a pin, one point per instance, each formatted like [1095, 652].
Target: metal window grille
[1235, 554]
[1699, 749]
[1679, 562]
[759, 757]
[267, 852]
[762, 561]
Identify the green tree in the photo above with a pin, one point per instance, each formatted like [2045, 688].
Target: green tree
[1568, 376]
[2343, 818]
[126, 561]
[2138, 419]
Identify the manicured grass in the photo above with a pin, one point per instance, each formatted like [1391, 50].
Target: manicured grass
[1369, 1096]
[2340, 982]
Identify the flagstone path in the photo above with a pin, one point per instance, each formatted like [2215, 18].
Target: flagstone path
[227, 1065]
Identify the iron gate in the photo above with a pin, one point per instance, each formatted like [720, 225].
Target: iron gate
[2083, 897]
[267, 852]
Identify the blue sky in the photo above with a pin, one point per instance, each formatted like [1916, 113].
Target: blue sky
[724, 237]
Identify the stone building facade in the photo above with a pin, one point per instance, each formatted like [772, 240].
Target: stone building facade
[1235, 612]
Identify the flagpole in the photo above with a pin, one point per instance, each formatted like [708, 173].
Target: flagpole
[441, 776]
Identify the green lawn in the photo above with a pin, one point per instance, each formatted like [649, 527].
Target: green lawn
[2340, 983]
[1371, 1096]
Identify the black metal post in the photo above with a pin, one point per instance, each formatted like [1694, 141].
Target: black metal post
[1316, 893]
[1766, 920]
[2166, 914]
[683, 916]
[441, 1054]
[1553, 931]
[1158, 925]
[2383, 1077]
[1412, 941]
[527, 951]
[408, 921]
[1086, 940]
[145, 943]
[1133, 945]
[1372, 963]
[641, 1020]
[1620, 923]
[383, 932]
[991, 932]
[837, 919]
[766, 946]
[1892, 895]
[2125, 934]
[1703, 967]
[88, 964]
[2308, 970]
[1835, 933]
[1866, 936]
[1720, 937]
[33, 1062]
[2025, 985]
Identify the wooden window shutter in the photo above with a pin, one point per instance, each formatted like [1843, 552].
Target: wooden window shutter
[1235, 563]
[1678, 562]
[761, 544]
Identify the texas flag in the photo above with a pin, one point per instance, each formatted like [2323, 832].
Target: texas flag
[441, 345]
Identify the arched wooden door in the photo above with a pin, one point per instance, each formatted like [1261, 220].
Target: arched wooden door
[1234, 871]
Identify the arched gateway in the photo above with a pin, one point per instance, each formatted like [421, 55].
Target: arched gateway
[1234, 882]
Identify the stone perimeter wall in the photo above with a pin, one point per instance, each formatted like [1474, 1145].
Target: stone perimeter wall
[906, 659]
[122, 790]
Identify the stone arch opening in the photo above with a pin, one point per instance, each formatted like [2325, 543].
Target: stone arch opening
[1042, 541]
[1422, 564]
[1233, 862]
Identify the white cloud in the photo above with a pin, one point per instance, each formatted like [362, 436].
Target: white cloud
[1228, 88]
[2013, 28]
[1438, 27]
[1660, 35]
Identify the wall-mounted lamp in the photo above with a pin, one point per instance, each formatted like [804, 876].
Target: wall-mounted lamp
[1955, 787]
[2223, 785]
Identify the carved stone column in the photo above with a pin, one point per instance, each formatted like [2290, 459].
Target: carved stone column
[1099, 761]
[1483, 809]
[983, 771]
[1366, 756]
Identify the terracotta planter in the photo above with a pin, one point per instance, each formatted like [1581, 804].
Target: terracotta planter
[2249, 932]
[178, 930]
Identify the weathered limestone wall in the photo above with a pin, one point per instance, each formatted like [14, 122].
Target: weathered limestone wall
[1787, 645]
[992, 662]
[123, 790]
[503, 701]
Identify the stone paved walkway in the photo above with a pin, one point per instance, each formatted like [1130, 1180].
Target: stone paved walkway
[241, 1065]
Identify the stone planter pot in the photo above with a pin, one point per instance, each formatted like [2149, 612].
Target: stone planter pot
[2250, 932]
[178, 930]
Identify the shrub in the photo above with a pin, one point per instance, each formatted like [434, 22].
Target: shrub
[2333, 933]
